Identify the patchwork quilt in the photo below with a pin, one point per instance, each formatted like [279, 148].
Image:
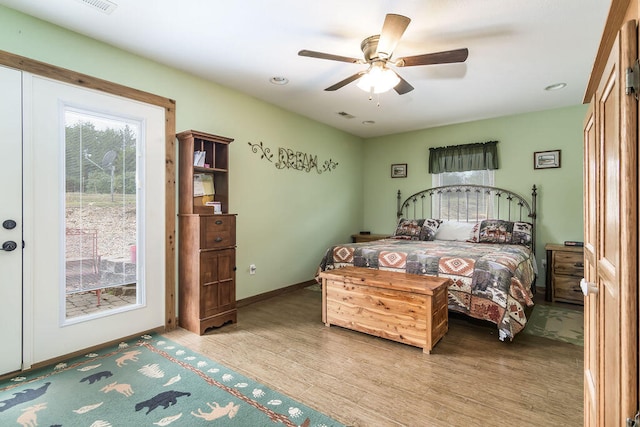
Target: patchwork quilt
[490, 281]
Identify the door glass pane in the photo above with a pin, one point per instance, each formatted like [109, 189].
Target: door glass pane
[101, 211]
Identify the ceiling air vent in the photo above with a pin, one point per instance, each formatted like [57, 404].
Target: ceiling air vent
[102, 5]
[346, 115]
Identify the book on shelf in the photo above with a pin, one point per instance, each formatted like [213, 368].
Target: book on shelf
[217, 207]
[203, 185]
[198, 158]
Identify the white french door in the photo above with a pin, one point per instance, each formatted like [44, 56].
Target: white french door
[48, 329]
[11, 220]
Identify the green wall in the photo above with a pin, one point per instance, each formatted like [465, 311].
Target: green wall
[286, 218]
[559, 190]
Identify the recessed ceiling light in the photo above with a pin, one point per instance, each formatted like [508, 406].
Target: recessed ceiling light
[556, 86]
[279, 80]
[368, 122]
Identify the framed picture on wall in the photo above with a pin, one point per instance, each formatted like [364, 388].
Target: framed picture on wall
[546, 159]
[399, 170]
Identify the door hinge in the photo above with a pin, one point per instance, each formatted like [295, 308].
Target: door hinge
[632, 77]
[635, 421]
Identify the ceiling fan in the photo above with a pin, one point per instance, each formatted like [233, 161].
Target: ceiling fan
[378, 50]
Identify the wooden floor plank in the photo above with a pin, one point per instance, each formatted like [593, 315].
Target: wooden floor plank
[470, 378]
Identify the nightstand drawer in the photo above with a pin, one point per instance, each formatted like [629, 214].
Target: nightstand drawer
[567, 289]
[571, 263]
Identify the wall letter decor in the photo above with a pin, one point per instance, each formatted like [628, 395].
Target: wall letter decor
[297, 160]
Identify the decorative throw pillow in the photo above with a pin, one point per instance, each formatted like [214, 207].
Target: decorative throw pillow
[410, 229]
[501, 231]
[416, 229]
[474, 237]
[453, 230]
[495, 231]
[430, 229]
[521, 234]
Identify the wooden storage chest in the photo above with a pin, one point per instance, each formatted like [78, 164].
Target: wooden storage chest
[407, 308]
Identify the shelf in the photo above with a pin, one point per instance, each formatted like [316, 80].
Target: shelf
[216, 149]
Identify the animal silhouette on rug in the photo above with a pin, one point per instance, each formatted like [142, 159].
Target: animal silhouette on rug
[164, 399]
[29, 418]
[97, 377]
[23, 396]
[217, 411]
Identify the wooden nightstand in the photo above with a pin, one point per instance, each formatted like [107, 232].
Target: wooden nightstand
[358, 238]
[565, 268]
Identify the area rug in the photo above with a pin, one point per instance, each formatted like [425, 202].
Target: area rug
[557, 323]
[150, 381]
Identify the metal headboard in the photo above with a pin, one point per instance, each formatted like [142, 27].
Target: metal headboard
[470, 203]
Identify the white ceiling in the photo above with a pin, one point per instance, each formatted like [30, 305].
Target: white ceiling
[516, 49]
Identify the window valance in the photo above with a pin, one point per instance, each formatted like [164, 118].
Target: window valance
[466, 157]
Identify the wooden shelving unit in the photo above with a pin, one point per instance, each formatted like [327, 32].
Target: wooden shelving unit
[206, 251]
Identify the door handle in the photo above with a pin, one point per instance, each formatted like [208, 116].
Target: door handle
[9, 246]
[588, 287]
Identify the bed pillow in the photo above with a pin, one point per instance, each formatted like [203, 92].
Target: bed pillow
[500, 231]
[416, 229]
[453, 230]
[521, 233]
[409, 229]
[430, 229]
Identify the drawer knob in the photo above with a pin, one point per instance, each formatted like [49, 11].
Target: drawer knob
[588, 287]
[218, 222]
[218, 239]
[579, 264]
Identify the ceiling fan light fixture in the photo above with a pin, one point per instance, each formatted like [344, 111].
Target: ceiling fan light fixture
[378, 79]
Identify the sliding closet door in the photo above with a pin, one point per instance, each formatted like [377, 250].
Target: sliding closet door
[87, 150]
[10, 220]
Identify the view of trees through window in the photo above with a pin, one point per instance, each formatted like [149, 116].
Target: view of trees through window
[458, 207]
[100, 204]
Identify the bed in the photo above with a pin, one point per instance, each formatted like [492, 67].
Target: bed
[481, 237]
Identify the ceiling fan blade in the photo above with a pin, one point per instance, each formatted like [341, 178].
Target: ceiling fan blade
[346, 81]
[402, 87]
[393, 28]
[446, 57]
[322, 55]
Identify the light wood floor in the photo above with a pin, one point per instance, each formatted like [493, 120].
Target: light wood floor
[469, 379]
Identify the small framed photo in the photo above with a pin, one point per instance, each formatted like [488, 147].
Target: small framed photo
[546, 159]
[399, 170]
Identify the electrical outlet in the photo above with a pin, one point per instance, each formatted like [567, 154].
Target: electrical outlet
[544, 264]
[252, 269]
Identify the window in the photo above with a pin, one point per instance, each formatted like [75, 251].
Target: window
[101, 208]
[481, 177]
[457, 207]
